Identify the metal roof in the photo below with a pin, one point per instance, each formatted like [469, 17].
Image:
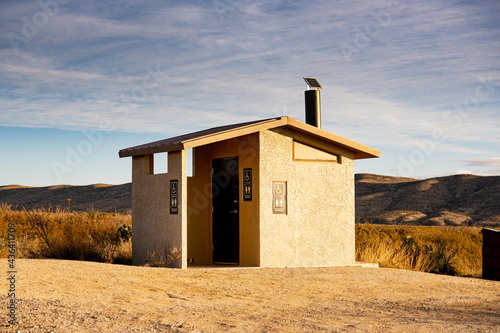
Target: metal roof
[222, 133]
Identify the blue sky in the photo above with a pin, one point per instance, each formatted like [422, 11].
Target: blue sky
[420, 81]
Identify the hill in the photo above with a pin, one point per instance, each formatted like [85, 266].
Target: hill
[99, 197]
[450, 200]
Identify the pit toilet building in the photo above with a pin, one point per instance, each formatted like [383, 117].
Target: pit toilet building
[269, 193]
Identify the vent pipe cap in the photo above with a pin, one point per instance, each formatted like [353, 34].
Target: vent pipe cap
[313, 102]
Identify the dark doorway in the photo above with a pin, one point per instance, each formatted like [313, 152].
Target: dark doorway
[225, 212]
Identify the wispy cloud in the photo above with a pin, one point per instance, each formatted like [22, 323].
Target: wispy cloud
[413, 66]
[482, 162]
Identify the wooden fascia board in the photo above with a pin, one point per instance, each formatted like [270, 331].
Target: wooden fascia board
[234, 133]
[360, 151]
[205, 139]
[150, 150]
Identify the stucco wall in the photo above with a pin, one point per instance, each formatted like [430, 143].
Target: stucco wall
[199, 209]
[318, 229]
[154, 228]
[200, 201]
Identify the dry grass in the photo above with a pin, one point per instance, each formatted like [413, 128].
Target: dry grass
[388, 253]
[164, 258]
[47, 233]
[105, 237]
[446, 250]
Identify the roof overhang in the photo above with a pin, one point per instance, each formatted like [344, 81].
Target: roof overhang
[222, 133]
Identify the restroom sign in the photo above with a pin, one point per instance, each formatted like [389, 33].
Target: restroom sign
[247, 184]
[174, 197]
[279, 198]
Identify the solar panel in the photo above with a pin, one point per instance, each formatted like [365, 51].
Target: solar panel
[312, 82]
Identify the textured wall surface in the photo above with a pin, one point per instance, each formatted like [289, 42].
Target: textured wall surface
[318, 229]
[154, 228]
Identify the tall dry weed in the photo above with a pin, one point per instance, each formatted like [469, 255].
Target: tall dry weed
[121, 253]
[53, 233]
[388, 253]
[164, 257]
[445, 250]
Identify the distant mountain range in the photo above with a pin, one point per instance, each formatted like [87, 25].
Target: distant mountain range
[450, 200]
[97, 197]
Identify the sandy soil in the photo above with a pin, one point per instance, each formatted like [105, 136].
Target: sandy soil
[69, 296]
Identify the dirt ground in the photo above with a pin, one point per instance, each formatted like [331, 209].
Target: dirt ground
[72, 296]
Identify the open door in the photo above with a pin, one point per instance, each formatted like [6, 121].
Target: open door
[225, 212]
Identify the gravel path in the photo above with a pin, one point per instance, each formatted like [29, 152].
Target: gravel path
[72, 296]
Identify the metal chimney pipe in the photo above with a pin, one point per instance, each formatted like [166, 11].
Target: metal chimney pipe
[313, 108]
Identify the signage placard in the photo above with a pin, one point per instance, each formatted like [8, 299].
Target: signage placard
[174, 197]
[279, 198]
[247, 184]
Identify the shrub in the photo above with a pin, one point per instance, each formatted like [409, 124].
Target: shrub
[125, 232]
[122, 253]
[43, 225]
[164, 258]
